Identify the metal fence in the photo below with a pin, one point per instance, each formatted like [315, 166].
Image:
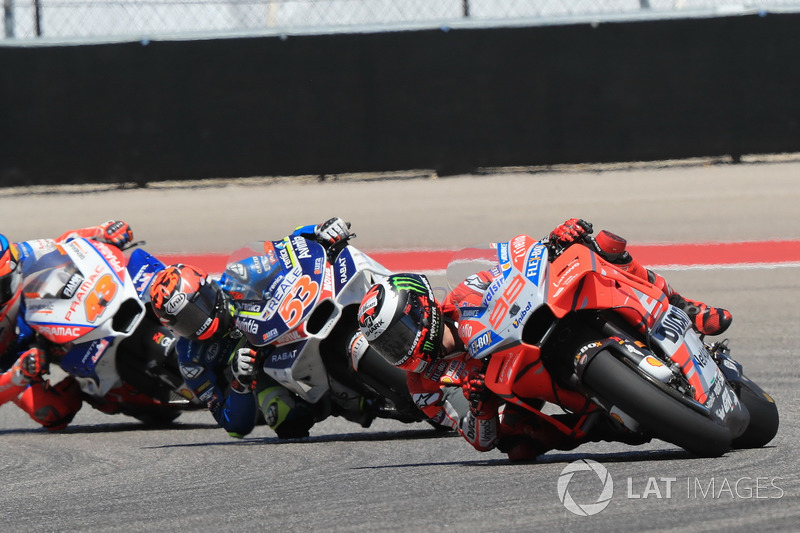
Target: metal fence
[32, 19]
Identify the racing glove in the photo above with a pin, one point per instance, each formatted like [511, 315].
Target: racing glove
[243, 367]
[571, 231]
[475, 391]
[332, 231]
[115, 232]
[30, 365]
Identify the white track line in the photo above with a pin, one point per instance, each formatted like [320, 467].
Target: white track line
[731, 266]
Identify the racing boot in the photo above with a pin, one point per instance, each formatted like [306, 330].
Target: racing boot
[363, 413]
[705, 319]
[521, 448]
[524, 437]
[53, 407]
[289, 416]
[601, 427]
[351, 406]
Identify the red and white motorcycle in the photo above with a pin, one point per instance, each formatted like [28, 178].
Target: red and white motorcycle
[568, 328]
[88, 307]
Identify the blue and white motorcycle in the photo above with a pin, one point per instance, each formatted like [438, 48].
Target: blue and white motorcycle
[298, 304]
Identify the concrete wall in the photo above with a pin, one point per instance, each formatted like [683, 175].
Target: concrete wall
[445, 100]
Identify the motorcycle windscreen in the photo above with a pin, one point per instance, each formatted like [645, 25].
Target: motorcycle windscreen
[469, 261]
[291, 294]
[253, 271]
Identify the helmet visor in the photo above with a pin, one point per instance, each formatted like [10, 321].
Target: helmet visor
[406, 336]
[198, 315]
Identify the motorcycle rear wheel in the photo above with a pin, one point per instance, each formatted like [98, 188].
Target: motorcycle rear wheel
[662, 415]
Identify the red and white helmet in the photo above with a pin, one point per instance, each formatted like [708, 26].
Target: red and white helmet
[402, 321]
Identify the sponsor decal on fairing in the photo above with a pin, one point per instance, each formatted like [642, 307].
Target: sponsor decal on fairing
[72, 285]
[95, 351]
[59, 334]
[671, 329]
[482, 343]
[301, 247]
[471, 312]
[318, 262]
[290, 336]
[247, 325]
[285, 286]
[493, 288]
[345, 268]
[285, 259]
[518, 321]
[518, 248]
[502, 254]
[257, 264]
[283, 357]
[533, 268]
[250, 307]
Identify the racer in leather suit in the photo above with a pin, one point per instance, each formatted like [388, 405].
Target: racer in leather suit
[402, 321]
[24, 365]
[216, 361]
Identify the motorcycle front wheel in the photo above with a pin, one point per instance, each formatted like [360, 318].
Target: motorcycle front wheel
[661, 414]
[764, 419]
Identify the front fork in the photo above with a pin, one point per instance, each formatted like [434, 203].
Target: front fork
[732, 369]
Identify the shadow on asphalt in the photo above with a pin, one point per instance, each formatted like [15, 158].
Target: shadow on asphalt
[109, 428]
[556, 458]
[336, 437]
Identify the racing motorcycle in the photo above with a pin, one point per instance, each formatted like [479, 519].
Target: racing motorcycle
[564, 326]
[87, 306]
[298, 304]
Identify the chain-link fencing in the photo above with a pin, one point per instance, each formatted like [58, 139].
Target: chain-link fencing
[32, 19]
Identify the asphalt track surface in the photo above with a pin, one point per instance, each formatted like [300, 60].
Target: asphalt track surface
[109, 473]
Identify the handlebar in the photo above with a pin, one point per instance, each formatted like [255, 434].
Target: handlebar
[336, 248]
[556, 248]
[133, 244]
[610, 247]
